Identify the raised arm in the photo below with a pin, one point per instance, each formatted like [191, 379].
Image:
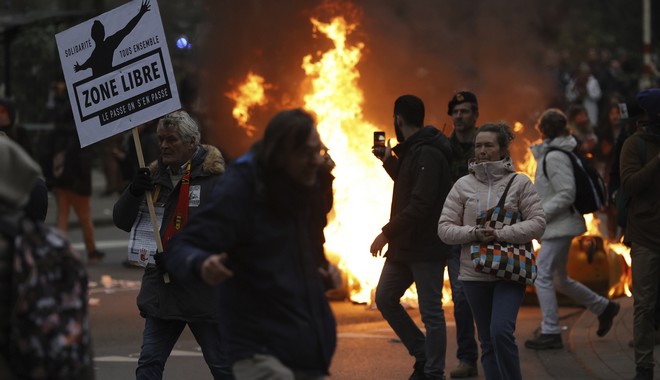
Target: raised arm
[116, 38]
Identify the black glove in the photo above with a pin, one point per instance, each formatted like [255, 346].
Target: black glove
[142, 182]
[160, 263]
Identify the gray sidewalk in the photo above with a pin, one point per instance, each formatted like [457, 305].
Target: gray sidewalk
[610, 357]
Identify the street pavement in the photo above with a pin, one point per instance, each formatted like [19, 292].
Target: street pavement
[367, 348]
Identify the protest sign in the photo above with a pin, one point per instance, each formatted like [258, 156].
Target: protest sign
[117, 70]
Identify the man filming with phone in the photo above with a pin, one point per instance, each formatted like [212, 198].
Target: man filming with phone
[419, 166]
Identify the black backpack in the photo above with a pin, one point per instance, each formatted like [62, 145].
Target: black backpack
[590, 189]
[49, 336]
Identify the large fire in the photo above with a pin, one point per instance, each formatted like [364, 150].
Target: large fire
[362, 189]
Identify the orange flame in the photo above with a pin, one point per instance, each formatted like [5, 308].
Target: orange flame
[624, 252]
[362, 188]
[250, 93]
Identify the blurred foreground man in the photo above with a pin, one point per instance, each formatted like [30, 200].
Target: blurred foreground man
[640, 178]
[44, 324]
[258, 239]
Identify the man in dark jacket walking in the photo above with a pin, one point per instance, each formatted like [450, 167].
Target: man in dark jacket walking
[182, 179]
[259, 240]
[422, 180]
[640, 179]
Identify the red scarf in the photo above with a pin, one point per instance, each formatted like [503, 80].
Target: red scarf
[180, 216]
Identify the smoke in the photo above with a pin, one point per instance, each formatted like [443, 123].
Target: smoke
[428, 48]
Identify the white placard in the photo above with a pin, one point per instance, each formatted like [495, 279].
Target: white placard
[141, 243]
[118, 71]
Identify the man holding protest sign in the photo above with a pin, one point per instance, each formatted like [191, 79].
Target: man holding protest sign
[133, 82]
[181, 180]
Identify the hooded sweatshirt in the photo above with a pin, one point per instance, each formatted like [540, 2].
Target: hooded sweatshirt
[422, 180]
[557, 190]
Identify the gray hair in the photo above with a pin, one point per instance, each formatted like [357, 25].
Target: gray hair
[182, 123]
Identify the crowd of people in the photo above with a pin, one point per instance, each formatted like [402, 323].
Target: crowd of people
[591, 91]
[253, 229]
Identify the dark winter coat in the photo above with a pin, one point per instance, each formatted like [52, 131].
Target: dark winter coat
[422, 180]
[461, 153]
[190, 301]
[275, 303]
[66, 165]
[642, 184]
[37, 207]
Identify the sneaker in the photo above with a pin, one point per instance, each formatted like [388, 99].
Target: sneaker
[606, 318]
[95, 256]
[464, 370]
[418, 371]
[545, 342]
[643, 373]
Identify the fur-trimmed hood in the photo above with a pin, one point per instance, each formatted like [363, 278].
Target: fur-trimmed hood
[214, 162]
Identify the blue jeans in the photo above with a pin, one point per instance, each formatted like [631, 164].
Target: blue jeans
[395, 279]
[467, 346]
[160, 336]
[495, 307]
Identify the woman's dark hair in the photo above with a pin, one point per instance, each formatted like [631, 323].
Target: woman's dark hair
[502, 130]
[553, 123]
[285, 133]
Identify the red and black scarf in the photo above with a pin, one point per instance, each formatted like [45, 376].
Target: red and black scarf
[179, 217]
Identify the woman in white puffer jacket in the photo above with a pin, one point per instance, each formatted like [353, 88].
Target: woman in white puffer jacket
[494, 301]
[557, 191]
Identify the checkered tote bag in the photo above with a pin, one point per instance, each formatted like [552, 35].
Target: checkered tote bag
[515, 262]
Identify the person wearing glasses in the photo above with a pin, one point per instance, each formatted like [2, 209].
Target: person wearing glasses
[259, 242]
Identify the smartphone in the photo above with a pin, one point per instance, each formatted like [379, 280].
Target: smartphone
[379, 138]
[379, 144]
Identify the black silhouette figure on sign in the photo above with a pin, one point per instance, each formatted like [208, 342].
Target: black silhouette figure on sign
[101, 59]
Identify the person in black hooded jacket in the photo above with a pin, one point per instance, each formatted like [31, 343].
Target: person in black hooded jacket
[422, 179]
